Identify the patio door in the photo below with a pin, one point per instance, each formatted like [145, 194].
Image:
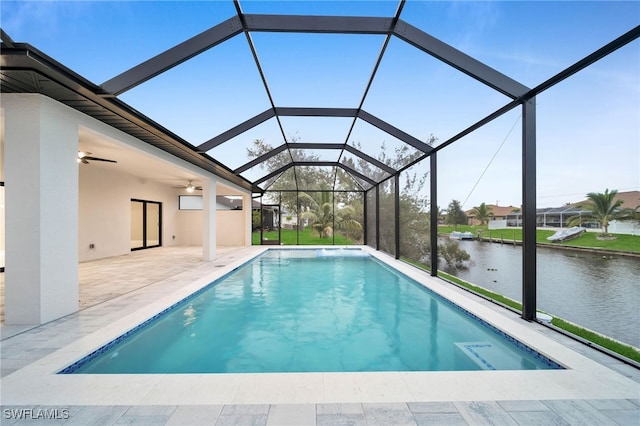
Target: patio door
[146, 224]
[270, 230]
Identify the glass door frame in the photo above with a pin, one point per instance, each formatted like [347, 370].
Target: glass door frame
[145, 219]
[275, 216]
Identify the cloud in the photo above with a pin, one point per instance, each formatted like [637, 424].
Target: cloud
[477, 18]
[20, 18]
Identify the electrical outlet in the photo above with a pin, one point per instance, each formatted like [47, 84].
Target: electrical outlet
[92, 246]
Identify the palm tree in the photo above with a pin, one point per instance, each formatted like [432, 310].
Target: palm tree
[481, 213]
[323, 218]
[603, 209]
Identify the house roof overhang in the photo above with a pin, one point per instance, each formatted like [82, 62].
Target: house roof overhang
[25, 69]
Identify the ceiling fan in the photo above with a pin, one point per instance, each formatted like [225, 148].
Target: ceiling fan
[190, 187]
[85, 157]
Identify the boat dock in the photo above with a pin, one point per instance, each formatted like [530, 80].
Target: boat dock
[500, 240]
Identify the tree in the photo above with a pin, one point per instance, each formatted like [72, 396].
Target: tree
[482, 213]
[455, 215]
[307, 179]
[452, 254]
[603, 209]
[324, 218]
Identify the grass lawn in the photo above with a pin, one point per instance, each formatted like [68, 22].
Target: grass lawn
[288, 237]
[623, 242]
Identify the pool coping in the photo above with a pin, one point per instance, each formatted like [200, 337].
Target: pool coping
[583, 378]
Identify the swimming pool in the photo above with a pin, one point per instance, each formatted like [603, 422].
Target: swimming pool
[306, 310]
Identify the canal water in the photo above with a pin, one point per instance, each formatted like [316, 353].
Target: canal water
[598, 292]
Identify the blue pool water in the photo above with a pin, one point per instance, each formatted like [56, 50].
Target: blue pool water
[310, 311]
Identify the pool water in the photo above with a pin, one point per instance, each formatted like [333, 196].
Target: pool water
[312, 311]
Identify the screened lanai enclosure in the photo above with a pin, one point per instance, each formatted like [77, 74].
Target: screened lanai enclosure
[359, 122]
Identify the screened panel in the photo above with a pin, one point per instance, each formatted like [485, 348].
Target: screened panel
[372, 218]
[284, 181]
[198, 112]
[352, 8]
[247, 146]
[364, 167]
[604, 117]
[571, 120]
[316, 129]
[315, 154]
[315, 177]
[349, 208]
[491, 159]
[267, 182]
[365, 185]
[266, 167]
[317, 216]
[431, 97]
[484, 167]
[337, 64]
[346, 182]
[382, 146]
[414, 214]
[387, 228]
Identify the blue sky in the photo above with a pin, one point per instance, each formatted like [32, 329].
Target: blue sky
[588, 126]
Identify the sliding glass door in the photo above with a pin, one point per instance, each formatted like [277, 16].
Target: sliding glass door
[146, 224]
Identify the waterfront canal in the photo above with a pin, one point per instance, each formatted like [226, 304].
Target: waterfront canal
[598, 292]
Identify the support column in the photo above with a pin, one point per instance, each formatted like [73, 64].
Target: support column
[396, 184]
[247, 208]
[41, 172]
[209, 219]
[364, 219]
[378, 217]
[529, 210]
[433, 236]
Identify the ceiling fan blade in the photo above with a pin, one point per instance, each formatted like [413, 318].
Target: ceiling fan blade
[97, 159]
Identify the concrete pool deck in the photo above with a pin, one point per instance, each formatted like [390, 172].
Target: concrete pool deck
[118, 293]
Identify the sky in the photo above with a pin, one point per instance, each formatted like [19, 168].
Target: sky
[588, 126]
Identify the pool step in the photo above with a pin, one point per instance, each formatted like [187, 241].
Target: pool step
[480, 353]
[341, 252]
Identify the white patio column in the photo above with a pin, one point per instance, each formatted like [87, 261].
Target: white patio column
[209, 219]
[41, 175]
[247, 206]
